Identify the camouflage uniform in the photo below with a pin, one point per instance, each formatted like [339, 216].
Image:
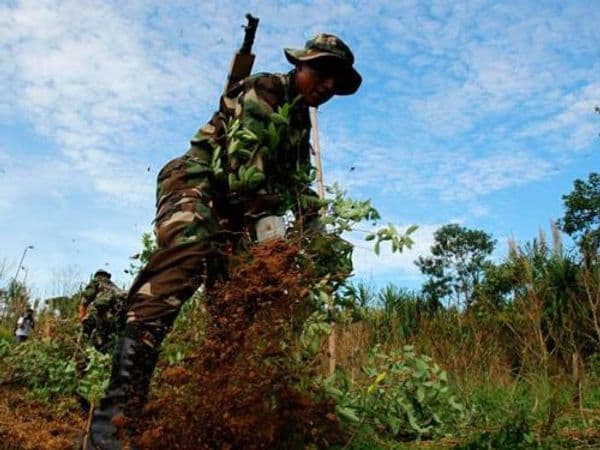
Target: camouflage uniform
[201, 214]
[103, 301]
[198, 215]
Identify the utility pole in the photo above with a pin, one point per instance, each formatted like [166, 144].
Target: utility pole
[29, 247]
[321, 192]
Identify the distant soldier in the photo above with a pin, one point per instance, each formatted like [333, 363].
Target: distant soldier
[100, 311]
[25, 325]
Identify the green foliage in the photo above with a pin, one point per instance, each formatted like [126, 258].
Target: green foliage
[96, 375]
[535, 279]
[582, 212]
[514, 434]
[403, 395]
[253, 144]
[360, 294]
[331, 259]
[316, 326]
[390, 234]
[593, 362]
[187, 332]
[49, 369]
[14, 300]
[44, 367]
[456, 265]
[394, 315]
[5, 346]
[343, 214]
[149, 246]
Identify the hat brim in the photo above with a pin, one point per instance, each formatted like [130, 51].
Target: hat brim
[349, 80]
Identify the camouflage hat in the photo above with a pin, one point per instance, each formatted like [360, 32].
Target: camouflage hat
[102, 273]
[329, 46]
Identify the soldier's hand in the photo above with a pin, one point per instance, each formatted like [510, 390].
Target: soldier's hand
[82, 312]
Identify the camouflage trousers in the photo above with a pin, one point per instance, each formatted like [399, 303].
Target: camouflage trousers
[186, 229]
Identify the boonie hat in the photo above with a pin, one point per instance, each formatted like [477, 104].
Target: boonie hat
[102, 273]
[329, 46]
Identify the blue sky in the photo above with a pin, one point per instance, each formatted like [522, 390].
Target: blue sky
[477, 112]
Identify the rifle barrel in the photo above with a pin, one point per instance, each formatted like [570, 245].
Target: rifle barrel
[249, 33]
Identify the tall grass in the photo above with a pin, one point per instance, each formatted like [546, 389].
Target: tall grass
[532, 352]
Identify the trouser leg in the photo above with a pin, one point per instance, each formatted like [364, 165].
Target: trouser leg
[171, 276]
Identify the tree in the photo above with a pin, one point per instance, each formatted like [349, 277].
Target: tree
[149, 246]
[456, 265]
[582, 213]
[15, 300]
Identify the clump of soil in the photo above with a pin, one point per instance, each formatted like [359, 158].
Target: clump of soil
[238, 390]
[29, 425]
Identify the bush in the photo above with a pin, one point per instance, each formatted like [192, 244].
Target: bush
[514, 434]
[42, 366]
[49, 370]
[403, 395]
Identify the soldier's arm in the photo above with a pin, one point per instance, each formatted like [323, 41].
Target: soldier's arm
[89, 293]
[87, 296]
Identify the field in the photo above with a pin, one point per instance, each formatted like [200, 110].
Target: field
[504, 356]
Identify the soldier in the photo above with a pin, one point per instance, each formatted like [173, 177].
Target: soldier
[198, 212]
[100, 311]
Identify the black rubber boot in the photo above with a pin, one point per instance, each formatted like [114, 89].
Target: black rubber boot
[133, 364]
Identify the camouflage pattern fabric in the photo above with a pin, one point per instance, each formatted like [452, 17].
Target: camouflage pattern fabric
[104, 318]
[198, 215]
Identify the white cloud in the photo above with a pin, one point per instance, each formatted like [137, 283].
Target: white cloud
[89, 81]
[574, 125]
[459, 100]
[114, 238]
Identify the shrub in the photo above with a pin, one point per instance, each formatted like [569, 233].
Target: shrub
[403, 395]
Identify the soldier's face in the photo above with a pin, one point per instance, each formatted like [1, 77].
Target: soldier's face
[316, 81]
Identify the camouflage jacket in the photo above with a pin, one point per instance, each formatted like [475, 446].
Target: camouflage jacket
[98, 288]
[261, 174]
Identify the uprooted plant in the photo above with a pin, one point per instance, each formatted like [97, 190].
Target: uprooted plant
[253, 381]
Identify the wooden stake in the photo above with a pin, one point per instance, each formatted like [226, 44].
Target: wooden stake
[321, 193]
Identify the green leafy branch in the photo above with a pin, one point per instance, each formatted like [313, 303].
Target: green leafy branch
[343, 214]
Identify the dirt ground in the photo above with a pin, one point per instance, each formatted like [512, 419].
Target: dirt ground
[32, 425]
[237, 390]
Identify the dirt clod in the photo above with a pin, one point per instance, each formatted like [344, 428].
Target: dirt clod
[239, 386]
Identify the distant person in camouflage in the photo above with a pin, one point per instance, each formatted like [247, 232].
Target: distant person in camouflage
[101, 311]
[199, 213]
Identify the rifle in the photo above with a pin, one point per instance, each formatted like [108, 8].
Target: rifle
[242, 61]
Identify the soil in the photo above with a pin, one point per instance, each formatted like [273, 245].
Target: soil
[237, 391]
[32, 425]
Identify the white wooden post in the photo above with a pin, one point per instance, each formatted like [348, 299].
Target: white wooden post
[321, 193]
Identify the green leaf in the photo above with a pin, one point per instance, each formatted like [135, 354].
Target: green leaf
[346, 414]
[420, 394]
[455, 404]
[411, 229]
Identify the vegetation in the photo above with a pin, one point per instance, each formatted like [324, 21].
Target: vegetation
[582, 213]
[501, 354]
